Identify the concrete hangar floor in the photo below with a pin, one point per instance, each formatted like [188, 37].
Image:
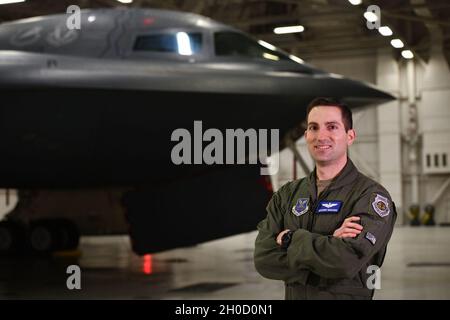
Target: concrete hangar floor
[417, 266]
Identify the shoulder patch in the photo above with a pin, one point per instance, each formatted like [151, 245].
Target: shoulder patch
[381, 206]
[300, 207]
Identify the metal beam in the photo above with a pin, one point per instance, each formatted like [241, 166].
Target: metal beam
[329, 37]
[341, 16]
[442, 190]
[415, 18]
[365, 166]
[429, 6]
[331, 43]
[342, 53]
[193, 6]
[290, 143]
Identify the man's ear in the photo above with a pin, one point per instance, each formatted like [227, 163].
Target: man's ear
[351, 136]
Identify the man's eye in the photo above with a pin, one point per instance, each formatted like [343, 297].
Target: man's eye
[312, 128]
[332, 127]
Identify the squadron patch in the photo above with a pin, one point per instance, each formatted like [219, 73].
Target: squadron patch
[371, 238]
[381, 206]
[300, 207]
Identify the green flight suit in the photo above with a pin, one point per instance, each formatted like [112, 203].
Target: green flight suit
[317, 265]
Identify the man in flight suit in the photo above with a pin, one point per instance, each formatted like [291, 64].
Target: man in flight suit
[322, 232]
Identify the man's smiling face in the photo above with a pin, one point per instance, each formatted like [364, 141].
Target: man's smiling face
[326, 136]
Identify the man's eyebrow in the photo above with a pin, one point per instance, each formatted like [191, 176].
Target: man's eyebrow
[326, 123]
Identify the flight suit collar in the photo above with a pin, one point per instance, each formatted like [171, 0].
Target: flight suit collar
[347, 175]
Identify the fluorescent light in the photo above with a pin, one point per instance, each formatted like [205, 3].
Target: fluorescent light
[184, 44]
[296, 59]
[10, 1]
[385, 31]
[291, 29]
[267, 45]
[125, 1]
[397, 43]
[91, 18]
[407, 54]
[355, 2]
[370, 16]
[270, 56]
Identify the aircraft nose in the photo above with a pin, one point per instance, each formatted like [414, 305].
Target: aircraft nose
[357, 93]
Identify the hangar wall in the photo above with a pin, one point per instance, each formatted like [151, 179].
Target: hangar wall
[383, 149]
[433, 93]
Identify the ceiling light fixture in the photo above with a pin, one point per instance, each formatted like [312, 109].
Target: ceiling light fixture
[290, 29]
[407, 54]
[397, 43]
[296, 59]
[10, 1]
[267, 45]
[385, 31]
[370, 16]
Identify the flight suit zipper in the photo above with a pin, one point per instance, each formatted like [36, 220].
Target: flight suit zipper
[311, 219]
[314, 207]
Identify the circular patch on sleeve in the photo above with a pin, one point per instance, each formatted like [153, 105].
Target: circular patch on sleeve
[381, 206]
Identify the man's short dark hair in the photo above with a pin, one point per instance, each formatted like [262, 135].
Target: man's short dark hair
[331, 102]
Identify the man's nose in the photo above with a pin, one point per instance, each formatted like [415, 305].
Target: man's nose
[322, 134]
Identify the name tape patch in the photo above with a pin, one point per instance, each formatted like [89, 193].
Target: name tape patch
[329, 206]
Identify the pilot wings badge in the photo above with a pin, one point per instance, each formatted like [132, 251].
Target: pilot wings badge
[329, 206]
[301, 207]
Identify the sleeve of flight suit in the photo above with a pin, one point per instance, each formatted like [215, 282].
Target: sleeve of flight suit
[270, 260]
[335, 258]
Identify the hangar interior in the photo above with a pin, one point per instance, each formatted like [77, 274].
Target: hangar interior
[403, 144]
[414, 169]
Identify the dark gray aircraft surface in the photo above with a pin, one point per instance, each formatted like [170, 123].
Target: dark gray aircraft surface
[96, 107]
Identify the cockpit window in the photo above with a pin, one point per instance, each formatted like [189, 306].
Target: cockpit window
[228, 43]
[182, 43]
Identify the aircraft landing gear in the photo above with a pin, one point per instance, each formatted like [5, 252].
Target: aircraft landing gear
[41, 236]
[13, 236]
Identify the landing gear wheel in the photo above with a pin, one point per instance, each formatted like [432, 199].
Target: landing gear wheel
[50, 235]
[70, 236]
[44, 237]
[12, 237]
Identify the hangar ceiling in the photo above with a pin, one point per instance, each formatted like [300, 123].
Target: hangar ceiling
[332, 27]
